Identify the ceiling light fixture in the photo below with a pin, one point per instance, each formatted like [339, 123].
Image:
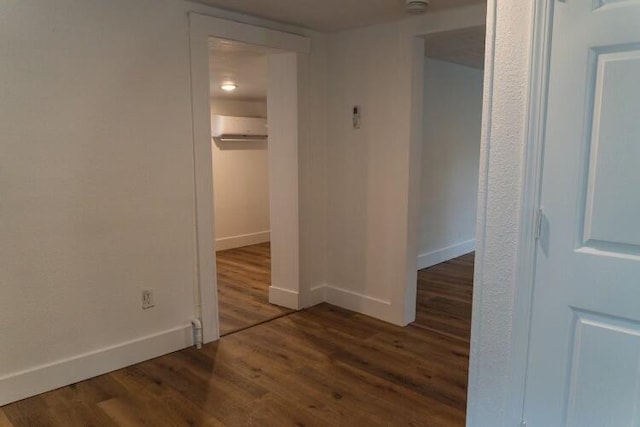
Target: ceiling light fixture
[416, 7]
[229, 87]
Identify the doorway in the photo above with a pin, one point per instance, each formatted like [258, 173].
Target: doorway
[452, 119]
[240, 162]
[282, 64]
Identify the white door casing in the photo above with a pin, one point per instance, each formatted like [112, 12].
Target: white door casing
[584, 354]
[285, 262]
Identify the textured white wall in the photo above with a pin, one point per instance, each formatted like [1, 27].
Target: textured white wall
[450, 158]
[240, 181]
[491, 399]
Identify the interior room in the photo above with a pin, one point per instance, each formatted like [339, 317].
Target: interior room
[109, 223]
[453, 89]
[342, 193]
[238, 89]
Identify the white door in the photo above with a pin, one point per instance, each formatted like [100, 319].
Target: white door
[584, 356]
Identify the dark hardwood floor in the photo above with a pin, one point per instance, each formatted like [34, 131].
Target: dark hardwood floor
[323, 366]
[444, 297]
[244, 276]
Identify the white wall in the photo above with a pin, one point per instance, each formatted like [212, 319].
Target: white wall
[450, 159]
[366, 170]
[283, 79]
[370, 184]
[234, 107]
[240, 181]
[96, 178]
[312, 182]
[97, 185]
[496, 349]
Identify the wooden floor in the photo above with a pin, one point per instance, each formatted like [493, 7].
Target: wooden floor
[323, 366]
[319, 367]
[444, 297]
[244, 276]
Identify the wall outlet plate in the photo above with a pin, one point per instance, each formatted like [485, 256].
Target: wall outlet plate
[147, 299]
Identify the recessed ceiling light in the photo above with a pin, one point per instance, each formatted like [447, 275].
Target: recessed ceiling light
[229, 87]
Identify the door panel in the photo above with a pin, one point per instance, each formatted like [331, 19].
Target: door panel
[602, 3]
[603, 384]
[584, 355]
[612, 194]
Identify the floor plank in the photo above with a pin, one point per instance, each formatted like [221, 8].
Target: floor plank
[444, 297]
[324, 366]
[4, 421]
[244, 276]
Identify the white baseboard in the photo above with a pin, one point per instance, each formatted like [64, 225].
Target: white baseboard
[242, 240]
[441, 255]
[54, 375]
[284, 298]
[317, 295]
[354, 301]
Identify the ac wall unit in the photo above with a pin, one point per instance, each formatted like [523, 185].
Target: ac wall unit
[232, 128]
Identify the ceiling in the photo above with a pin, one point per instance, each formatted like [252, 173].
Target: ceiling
[246, 65]
[464, 47]
[240, 63]
[330, 15]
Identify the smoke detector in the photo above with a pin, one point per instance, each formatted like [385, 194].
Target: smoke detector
[416, 7]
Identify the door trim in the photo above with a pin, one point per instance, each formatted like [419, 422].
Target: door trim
[201, 27]
[530, 204]
[517, 343]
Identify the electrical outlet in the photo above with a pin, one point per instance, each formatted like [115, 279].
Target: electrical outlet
[147, 299]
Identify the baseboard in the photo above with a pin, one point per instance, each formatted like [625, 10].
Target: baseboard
[354, 301]
[242, 240]
[48, 377]
[441, 255]
[284, 298]
[317, 295]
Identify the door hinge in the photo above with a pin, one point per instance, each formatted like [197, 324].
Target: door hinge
[537, 232]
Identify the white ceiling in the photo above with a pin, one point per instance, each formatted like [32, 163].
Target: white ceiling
[464, 47]
[246, 65]
[330, 15]
[240, 63]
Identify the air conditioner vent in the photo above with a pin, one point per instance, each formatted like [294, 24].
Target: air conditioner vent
[233, 128]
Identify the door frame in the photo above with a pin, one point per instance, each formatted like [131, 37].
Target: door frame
[201, 27]
[530, 203]
[405, 298]
[515, 348]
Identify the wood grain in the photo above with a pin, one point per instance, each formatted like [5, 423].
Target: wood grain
[323, 366]
[244, 277]
[444, 297]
